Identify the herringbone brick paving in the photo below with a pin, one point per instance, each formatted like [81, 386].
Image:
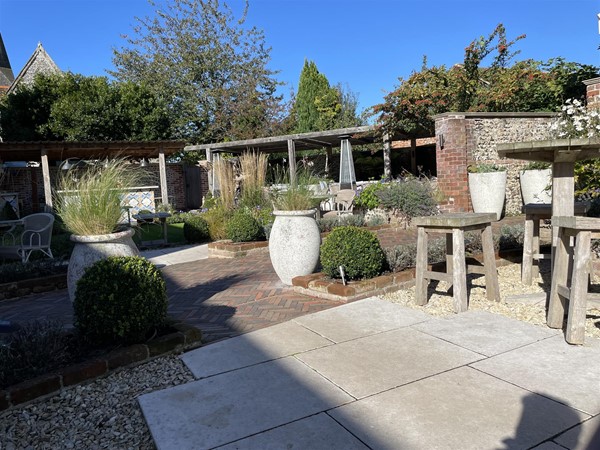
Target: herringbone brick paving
[222, 297]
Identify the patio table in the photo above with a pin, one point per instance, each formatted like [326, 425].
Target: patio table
[162, 217]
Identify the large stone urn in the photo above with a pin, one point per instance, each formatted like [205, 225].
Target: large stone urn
[536, 186]
[488, 191]
[90, 249]
[294, 244]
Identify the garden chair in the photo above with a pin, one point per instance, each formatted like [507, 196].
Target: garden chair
[344, 201]
[36, 235]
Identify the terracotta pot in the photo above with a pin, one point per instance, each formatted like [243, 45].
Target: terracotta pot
[90, 249]
[294, 244]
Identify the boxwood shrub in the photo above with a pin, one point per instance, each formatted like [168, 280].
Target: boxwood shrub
[195, 229]
[119, 300]
[243, 227]
[356, 249]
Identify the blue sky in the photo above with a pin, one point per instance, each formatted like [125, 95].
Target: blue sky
[366, 44]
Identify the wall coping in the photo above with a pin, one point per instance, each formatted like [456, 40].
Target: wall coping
[591, 81]
[491, 115]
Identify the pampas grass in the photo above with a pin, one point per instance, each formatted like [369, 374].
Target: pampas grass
[253, 168]
[226, 176]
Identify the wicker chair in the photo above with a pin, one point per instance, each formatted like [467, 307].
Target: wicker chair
[36, 235]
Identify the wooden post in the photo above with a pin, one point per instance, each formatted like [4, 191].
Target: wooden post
[420, 280]
[413, 156]
[47, 185]
[292, 161]
[575, 333]
[209, 158]
[328, 155]
[492, 288]
[162, 168]
[459, 271]
[556, 305]
[387, 160]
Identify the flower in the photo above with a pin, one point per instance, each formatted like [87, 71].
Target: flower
[576, 122]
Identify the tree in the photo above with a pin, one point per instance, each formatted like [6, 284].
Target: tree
[318, 106]
[77, 108]
[209, 67]
[502, 86]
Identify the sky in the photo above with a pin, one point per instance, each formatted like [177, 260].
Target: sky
[364, 44]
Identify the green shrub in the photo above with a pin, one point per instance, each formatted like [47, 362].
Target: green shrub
[485, 168]
[329, 223]
[409, 198]
[357, 249]
[217, 219]
[119, 300]
[35, 349]
[208, 201]
[367, 197]
[195, 229]
[243, 227]
[404, 256]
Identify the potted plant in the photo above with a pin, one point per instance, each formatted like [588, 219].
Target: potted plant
[536, 183]
[88, 200]
[295, 239]
[487, 186]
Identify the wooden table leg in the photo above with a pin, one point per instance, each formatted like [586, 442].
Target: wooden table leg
[575, 333]
[556, 306]
[526, 264]
[492, 287]
[459, 271]
[420, 281]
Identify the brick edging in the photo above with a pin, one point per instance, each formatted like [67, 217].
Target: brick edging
[186, 337]
[15, 289]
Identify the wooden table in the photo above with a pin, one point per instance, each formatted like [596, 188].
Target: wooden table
[162, 217]
[454, 227]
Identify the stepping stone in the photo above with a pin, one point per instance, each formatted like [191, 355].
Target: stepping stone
[459, 409]
[234, 405]
[484, 332]
[252, 348]
[361, 318]
[373, 364]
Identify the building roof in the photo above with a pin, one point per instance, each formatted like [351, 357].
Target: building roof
[302, 141]
[39, 62]
[59, 150]
[6, 74]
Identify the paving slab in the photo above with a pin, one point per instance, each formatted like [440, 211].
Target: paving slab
[361, 318]
[318, 432]
[225, 408]
[462, 409]
[548, 446]
[585, 436]
[568, 373]
[252, 348]
[373, 364]
[484, 332]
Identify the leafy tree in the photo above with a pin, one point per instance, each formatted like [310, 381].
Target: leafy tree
[209, 67]
[319, 106]
[502, 86]
[74, 107]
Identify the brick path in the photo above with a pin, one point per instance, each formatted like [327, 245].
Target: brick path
[222, 297]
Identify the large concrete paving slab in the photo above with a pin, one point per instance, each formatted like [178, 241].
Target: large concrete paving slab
[361, 318]
[484, 332]
[318, 432]
[252, 348]
[234, 405]
[460, 409]
[585, 436]
[551, 367]
[376, 363]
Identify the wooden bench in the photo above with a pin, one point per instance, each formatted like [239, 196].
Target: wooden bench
[570, 275]
[534, 213]
[454, 227]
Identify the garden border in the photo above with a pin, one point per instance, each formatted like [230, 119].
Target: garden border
[185, 338]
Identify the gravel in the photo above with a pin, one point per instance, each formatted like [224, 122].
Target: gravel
[103, 414]
[518, 301]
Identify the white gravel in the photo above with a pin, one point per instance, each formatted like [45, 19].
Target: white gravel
[518, 301]
[103, 414]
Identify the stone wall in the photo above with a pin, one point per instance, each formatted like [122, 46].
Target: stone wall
[465, 139]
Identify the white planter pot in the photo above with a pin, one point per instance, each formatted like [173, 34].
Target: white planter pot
[294, 244]
[90, 249]
[488, 191]
[534, 184]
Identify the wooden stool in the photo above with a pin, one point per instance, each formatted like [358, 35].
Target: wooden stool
[534, 213]
[570, 274]
[454, 226]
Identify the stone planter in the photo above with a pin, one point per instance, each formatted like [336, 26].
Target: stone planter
[536, 186]
[90, 249]
[294, 244]
[488, 191]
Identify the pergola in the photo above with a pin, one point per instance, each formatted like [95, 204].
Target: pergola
[47, 153]
[292, 142]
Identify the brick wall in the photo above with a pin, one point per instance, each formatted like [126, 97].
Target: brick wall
[593, 92]
[471, 138]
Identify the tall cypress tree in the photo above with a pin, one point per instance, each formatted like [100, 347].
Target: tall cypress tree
[313, 85]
